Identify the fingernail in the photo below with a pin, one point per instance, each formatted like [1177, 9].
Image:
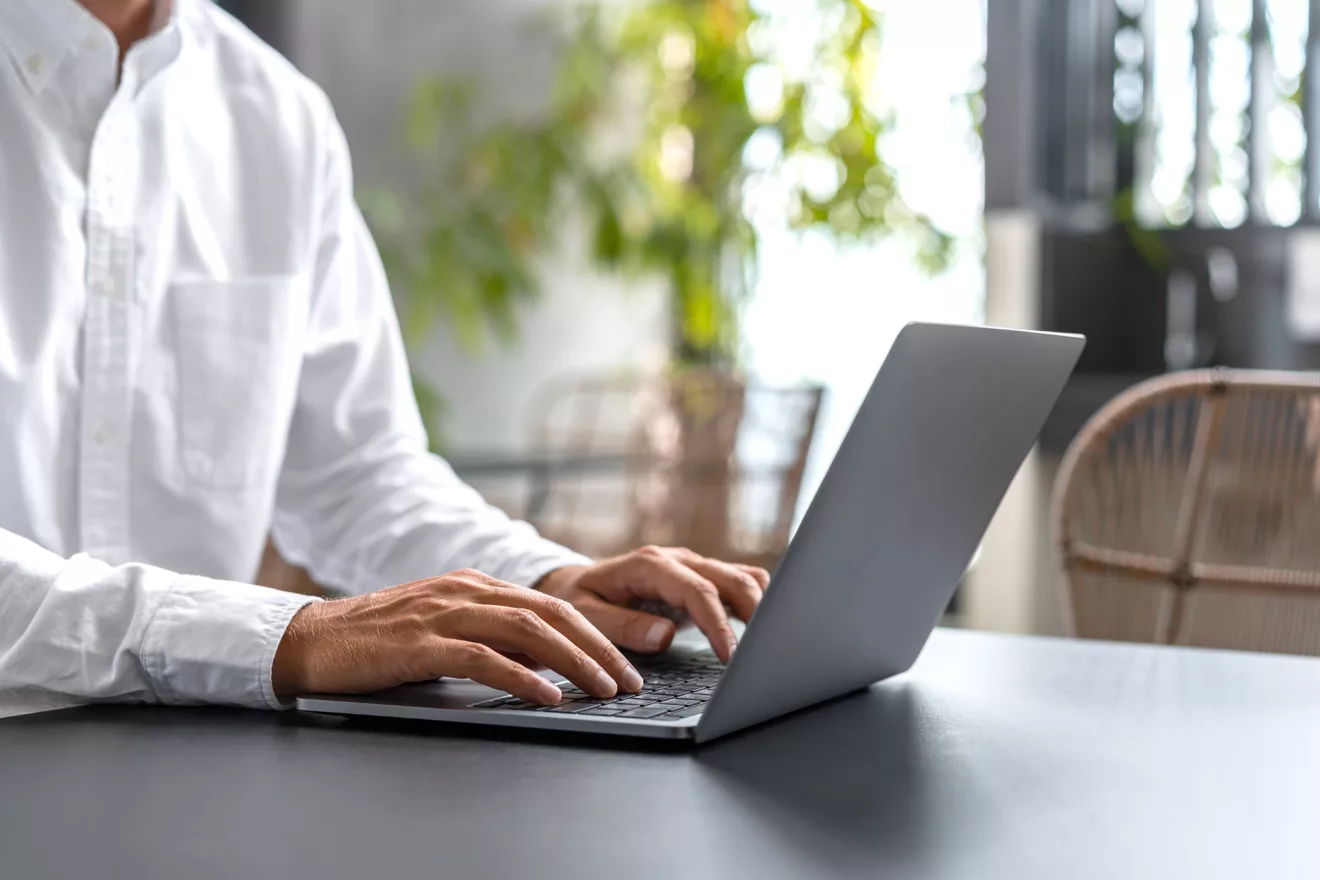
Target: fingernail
[548, 693]
[606, 686]
[655, 636]
[632, 681]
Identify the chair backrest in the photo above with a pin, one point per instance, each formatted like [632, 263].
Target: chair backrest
[1188, 512]
[713, 463]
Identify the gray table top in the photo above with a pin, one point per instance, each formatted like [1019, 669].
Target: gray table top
[996, 757]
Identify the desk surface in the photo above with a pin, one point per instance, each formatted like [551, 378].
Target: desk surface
[996, 757]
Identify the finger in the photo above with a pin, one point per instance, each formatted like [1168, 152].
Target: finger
[760, 574]
[738, 589]
[635, 630]
[484, 665]
[507, 628]
[683, 588]
[580, 631]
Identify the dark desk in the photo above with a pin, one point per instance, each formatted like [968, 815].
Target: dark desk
[997, 757]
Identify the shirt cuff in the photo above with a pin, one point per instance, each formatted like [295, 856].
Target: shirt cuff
[214, 642]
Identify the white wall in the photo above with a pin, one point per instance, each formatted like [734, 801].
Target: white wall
[367, 57]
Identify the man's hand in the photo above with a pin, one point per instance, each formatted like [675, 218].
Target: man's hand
[460, 625]
[680, 578]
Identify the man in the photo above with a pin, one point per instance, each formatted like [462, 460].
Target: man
[197, 348]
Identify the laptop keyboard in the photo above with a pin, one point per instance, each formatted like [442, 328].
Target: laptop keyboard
[674, 689]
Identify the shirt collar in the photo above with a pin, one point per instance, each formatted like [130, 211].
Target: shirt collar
[38, 34]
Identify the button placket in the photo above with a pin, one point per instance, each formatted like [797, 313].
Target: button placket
[107, 335]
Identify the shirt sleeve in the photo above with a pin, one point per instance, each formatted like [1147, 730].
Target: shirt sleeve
[362, 504]
[133, 633]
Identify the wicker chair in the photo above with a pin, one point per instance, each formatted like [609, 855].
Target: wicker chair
[1188, 512]
[712, 463]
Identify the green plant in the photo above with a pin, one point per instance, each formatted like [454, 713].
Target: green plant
[667, 121]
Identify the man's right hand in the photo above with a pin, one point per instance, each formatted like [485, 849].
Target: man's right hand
[460, 625]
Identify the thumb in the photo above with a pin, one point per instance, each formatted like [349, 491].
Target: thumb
[627, 628]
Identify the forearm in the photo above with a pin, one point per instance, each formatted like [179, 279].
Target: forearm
[135, 633]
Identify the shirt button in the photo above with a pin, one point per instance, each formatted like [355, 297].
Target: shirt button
[36, 64]
[103, 435]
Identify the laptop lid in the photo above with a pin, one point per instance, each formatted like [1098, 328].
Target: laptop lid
[948, 421]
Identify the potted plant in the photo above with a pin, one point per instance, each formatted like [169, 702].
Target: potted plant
[670, 125]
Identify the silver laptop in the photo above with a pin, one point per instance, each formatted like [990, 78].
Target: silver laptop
[947, 423]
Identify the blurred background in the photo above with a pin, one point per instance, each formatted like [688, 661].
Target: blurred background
[649, 254]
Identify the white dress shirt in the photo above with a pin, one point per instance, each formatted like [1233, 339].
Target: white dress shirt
[197, 349]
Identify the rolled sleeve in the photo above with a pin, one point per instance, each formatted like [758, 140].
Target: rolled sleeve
[84, 630]
[215, 641]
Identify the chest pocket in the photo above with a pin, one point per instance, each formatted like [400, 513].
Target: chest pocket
[237, 361]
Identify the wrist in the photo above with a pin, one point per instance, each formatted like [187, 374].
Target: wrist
[288, 678]
[559, 581]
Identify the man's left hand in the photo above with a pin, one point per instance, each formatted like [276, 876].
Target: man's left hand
[607, 592]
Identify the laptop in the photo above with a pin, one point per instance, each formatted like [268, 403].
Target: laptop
[942, 432]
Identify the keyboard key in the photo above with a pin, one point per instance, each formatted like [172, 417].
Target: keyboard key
[679, 703]
[568, 707]
[644, 712]
[603, 711]
[686, 712]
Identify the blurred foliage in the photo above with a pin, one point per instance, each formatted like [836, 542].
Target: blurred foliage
[671, 125]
